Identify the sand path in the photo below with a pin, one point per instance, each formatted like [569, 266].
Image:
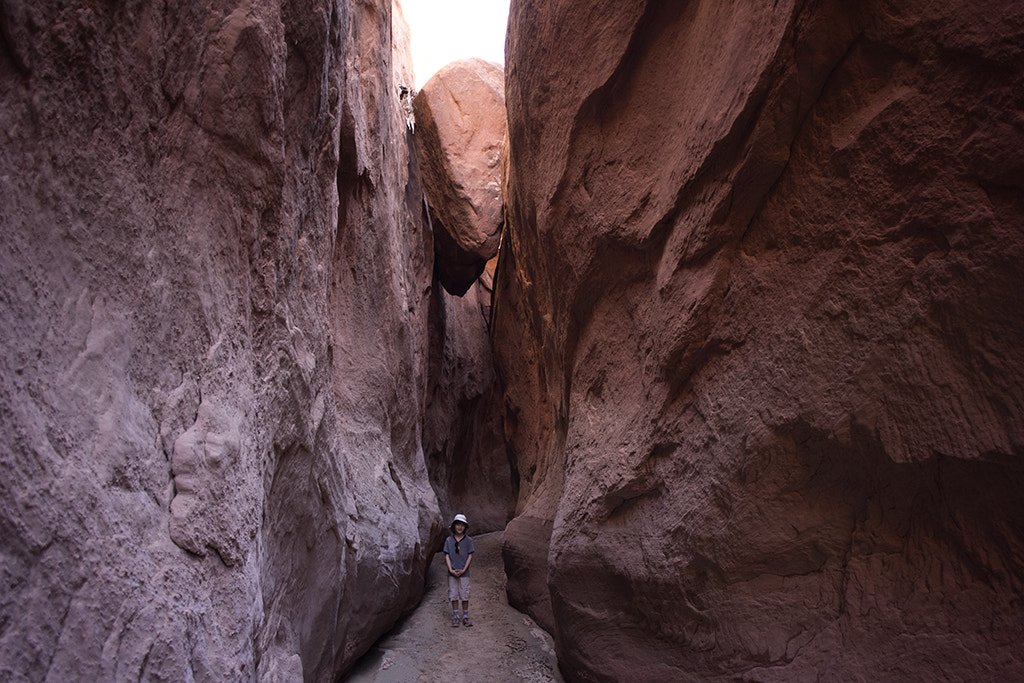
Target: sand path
[503, 645]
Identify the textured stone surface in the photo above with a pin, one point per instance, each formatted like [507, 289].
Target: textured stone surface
[460, 120]
[759, 302]
[214, 327]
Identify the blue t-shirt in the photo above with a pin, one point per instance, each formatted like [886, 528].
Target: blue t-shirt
[459, 551]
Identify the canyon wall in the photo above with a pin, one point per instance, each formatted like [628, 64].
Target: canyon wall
[216, 296]
[757, 314]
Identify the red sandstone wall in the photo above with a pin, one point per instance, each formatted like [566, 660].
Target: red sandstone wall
[214, 328]
[760, 302]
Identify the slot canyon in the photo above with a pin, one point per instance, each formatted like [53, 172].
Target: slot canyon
[712, 309]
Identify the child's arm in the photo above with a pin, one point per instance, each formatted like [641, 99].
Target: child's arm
[448, 561]
[469, 560]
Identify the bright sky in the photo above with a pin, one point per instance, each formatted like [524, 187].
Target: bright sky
[445, 30]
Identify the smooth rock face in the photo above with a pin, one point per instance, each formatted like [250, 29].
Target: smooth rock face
[460, 130]
[214, 322]
[759, 305]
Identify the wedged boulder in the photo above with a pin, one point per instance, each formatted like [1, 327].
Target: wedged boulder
[460, 129]
[214, 327]
[757, 315]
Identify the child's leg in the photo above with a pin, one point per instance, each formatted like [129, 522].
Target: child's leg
[453, 595]
[462, 588]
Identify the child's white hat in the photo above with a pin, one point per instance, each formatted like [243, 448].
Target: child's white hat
[459, 518]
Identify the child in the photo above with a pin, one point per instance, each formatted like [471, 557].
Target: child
[458, 553]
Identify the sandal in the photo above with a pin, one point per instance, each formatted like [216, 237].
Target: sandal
[455, 621]
[466, 621]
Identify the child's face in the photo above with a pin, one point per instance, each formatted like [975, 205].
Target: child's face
[460, 528]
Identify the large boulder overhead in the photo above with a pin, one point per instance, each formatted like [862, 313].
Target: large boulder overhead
[460, 128]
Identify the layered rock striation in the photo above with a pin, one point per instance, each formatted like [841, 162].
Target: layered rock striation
[214, 322]
[759, 299]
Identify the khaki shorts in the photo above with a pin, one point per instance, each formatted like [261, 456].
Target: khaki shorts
[458, 588]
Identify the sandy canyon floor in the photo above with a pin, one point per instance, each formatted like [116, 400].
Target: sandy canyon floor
[503, 645]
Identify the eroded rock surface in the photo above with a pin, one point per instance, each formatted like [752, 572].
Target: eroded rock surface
[759, 303]
[214, 327]
[460, 130]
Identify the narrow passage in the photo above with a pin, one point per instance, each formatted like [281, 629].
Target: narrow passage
[503, 645]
